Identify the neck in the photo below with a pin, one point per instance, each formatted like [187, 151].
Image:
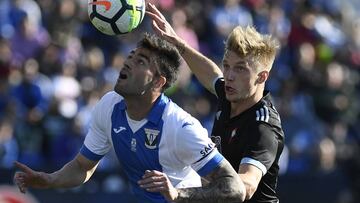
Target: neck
[138, 107]
[242, 105]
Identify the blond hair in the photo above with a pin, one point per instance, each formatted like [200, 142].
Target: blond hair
[248, 42]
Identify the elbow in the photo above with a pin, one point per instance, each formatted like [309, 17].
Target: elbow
[249, 191]
[239, 192]
[238, 196]
[242, 193]
[241, 196]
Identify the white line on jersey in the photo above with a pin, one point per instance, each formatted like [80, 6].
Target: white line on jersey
[263, 114]
[218, 115]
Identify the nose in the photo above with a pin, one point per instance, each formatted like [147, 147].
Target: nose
[229, 75]
[126, 66]
[129, 59]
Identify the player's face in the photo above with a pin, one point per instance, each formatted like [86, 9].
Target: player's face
[240, 77]
[138, 74]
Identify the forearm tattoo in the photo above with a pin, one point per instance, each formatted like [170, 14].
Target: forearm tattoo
[225, 186]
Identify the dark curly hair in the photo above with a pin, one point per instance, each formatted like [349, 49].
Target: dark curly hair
[167, 57]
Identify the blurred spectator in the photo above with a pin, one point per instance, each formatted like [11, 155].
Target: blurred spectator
[179, 22]
[6, 27]
[5, 59]
[28, 96]
[65, 146]
[66, 87]
[224, 18]
[27, 41]
[229, 15]
[63, 22]
[50, 61]
[334, 98]
[31, 66]
[8, 145]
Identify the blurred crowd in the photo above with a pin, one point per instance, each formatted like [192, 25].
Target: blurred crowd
[54, 66]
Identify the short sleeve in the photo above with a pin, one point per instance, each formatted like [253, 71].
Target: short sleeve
[195, 148]
[263, 147]
[97, 143]
[219, 88]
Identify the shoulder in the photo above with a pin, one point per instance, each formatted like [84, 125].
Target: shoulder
[177, 115]
[111, 98]
[263, 119]
[181, 122]
[265, 112]
[107, 102]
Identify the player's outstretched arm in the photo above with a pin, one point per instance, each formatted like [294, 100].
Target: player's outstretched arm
[225, 186]
[74, 173]
[203, 68]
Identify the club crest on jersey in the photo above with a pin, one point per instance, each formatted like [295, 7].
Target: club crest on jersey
[151, 138]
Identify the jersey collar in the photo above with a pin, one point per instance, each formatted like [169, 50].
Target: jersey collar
[156, 111]
[158, 108]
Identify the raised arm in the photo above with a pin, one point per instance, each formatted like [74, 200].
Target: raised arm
[224, 186]
[204, 69]
[74, 173]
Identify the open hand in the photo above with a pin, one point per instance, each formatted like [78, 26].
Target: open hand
[155, 181]
[161, 26]
[30, 178]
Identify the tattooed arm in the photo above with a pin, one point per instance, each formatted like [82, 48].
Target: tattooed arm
[224, 185]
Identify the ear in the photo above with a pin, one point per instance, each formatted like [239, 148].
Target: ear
[160, 82]
[262, 77]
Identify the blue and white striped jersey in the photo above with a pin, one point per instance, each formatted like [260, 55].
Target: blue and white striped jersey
[170, 140]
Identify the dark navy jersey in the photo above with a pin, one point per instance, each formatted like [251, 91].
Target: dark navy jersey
[253, 137]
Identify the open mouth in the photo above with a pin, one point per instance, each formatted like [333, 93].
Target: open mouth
[124, 73]
[229, 89]
[123, 76]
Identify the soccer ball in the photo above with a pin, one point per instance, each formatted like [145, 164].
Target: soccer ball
[114, 17]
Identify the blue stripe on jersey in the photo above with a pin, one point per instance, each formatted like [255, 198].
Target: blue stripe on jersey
[210, 165]
[89, 154]
[139, 151]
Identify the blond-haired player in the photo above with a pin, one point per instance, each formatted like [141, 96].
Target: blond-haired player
[247, 127]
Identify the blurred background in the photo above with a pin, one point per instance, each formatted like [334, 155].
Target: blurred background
[54, 66]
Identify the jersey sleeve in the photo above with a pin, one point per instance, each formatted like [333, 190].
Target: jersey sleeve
[97, 143]
[195, 148]
[263, 147]
[219, 87]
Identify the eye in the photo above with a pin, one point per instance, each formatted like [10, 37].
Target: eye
[141, 62]
[239, 68]
[226, 66]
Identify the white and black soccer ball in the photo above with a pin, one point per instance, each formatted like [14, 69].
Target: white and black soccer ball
[113, 17]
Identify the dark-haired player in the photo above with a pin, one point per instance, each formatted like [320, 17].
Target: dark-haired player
[162, 149]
